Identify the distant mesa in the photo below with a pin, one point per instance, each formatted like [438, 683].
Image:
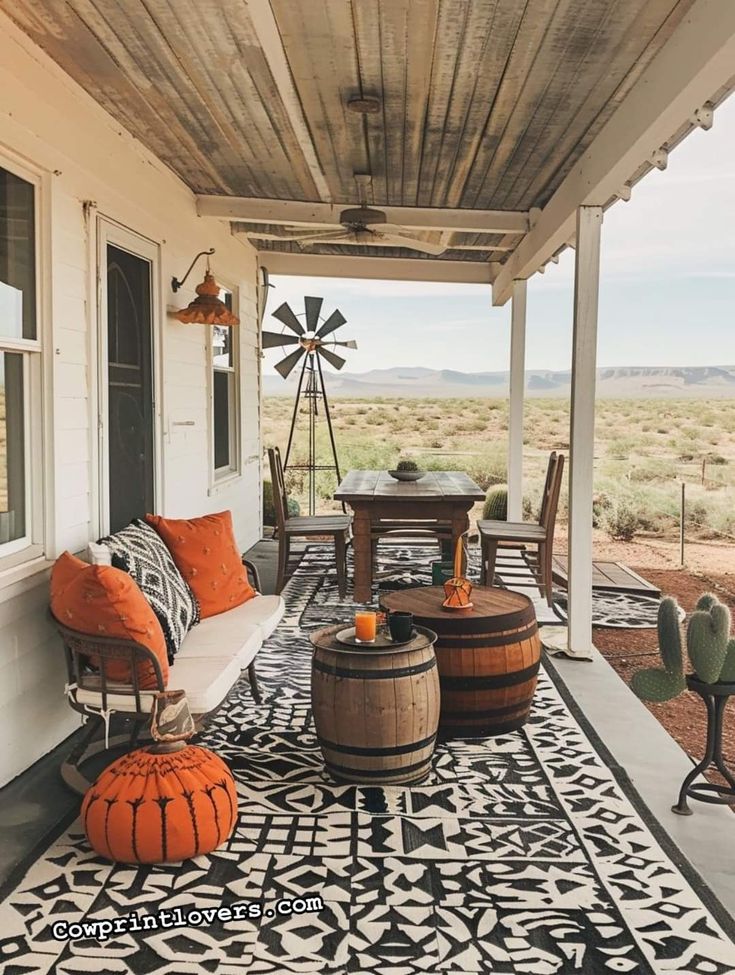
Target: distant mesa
[621, 382]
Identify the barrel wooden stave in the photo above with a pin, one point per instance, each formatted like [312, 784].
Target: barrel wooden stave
[488, 665]
[376, 715]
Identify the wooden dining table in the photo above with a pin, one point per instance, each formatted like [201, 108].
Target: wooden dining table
[378, 500]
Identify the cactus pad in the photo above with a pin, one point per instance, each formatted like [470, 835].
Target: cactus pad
[657, 685]
[727, 674]
[707, 637]
[669, 636]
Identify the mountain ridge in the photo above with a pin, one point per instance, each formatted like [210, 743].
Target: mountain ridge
[613, 382]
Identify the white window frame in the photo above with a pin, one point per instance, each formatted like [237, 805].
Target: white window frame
[233, 471]
[31, 545]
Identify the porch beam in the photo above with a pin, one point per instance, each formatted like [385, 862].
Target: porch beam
[301, 213]
[516, 400]
[269, 37]
[693, 67]
[582, 427]
[386, 268]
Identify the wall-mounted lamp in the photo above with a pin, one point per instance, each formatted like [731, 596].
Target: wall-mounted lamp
[207, 308]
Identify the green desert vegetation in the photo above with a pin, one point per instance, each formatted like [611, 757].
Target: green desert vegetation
[644, 449]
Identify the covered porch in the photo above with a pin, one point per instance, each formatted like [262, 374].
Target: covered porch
[424, 140]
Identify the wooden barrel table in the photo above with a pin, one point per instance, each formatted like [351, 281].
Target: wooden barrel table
[376, 711]
[488, 657]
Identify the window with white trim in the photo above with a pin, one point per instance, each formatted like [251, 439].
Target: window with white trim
[20, 363]
[225, 360]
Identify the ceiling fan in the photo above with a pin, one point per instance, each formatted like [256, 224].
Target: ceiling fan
[361, 225]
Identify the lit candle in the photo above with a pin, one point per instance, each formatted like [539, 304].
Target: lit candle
[366, 627]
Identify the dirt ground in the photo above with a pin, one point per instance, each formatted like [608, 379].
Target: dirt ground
[710, 566]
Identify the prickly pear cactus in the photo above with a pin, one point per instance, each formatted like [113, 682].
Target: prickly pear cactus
[707, 637]
[662, 684]
[727, 673]
[669, 636]
[657, 685]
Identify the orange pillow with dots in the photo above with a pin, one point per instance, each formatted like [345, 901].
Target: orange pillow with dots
[206, 554]
[99, 600]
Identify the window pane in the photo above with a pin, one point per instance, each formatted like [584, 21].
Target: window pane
[221, 420]
[17, 257]
[12, 448]
[222, 346]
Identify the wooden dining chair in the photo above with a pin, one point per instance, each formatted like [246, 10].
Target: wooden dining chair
[288, 527]
[539, 535]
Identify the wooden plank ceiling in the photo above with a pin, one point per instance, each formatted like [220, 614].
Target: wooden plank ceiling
[483, 103]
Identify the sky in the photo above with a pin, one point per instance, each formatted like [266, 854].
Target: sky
[667, 286]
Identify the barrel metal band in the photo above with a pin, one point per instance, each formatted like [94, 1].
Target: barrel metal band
[486, 683]
[379, 773]
[334, 671]
[376, 752]
[478, 641]
[465, 716]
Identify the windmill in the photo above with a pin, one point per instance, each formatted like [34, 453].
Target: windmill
[311, 337]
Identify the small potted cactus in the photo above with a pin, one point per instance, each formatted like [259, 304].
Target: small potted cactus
[709, 647]
[495, 507]
[407, 470]
[711, 654]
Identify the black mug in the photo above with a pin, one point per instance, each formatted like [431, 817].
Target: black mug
[400, 626]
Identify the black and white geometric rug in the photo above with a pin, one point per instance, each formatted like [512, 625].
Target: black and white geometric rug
[521, 854]
[410, 565]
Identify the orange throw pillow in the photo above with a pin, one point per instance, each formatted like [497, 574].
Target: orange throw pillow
[102, 601]
[206, 554]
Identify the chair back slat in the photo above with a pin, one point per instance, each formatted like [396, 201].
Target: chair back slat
[552, 491]
[280, 500]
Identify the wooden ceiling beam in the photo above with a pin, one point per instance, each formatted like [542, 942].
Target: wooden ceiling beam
[266, 29]
[299, 213]
[693, 66]
[379, 268]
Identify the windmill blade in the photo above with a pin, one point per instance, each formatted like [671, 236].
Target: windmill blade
[398, 240]
[286, 365]
[313, 306]
[284, 315]
[271, 340]
[335, 320]
[351, 344]
[335, 360]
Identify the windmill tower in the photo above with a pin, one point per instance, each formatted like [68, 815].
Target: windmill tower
[311, 337]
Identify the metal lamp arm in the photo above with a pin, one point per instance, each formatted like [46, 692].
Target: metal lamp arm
[176, 284]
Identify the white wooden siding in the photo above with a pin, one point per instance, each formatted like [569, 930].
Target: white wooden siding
[89, 157]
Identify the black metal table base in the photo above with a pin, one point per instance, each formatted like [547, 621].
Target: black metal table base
[715, 697]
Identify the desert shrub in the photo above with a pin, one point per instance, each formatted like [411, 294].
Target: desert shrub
[620, 519]
[269, 509]
[716, 459]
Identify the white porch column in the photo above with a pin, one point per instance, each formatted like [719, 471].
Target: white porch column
[582, 426]
[515, 400]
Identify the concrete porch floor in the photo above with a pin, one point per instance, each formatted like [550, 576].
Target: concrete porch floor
[34, 805]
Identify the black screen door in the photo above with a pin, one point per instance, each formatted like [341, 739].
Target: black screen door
[130, 387]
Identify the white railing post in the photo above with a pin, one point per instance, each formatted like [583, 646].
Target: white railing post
[515, 400]
[582, 426]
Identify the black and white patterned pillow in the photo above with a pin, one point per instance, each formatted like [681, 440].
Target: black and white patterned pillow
[140, 551]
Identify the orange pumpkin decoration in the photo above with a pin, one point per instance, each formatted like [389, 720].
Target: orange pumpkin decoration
[161, 804]
[458, 589]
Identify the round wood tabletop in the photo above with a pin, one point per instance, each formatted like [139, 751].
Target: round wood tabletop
[326, 639]
[425, 602]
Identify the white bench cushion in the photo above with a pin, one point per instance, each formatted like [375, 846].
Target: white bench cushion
[265, 611]
[206, 681]
[211, 639]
